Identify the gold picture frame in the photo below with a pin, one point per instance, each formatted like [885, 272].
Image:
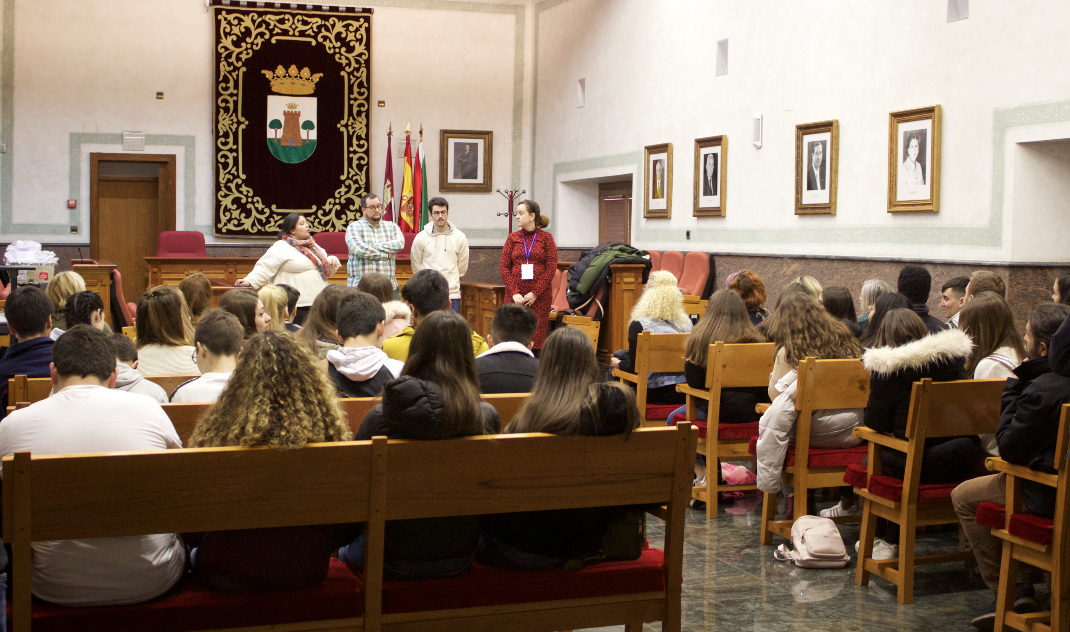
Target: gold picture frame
[817, 160]
[459, 173]
[914, 169]
[657, 181]
[710, 189]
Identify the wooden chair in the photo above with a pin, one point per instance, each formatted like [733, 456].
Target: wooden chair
[133, 493]
[5, 340]
[27, 390]
[695, 306]
[823, 385]
[654, 353]
[1036, 541]
[937, 409]
[169, 382]
[130, 332]
[727, 366]
[507, 404]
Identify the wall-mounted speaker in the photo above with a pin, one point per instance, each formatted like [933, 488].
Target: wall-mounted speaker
[722, 57]
[756, 134]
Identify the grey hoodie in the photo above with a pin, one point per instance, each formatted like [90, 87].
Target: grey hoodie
[131, 381]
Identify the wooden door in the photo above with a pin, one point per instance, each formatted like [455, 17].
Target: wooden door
[615, 212]
[132, 202]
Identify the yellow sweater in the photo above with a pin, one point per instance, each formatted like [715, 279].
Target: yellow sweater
[398, 346]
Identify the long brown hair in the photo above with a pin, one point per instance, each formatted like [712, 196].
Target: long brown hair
[725, 320]
[163, 318]
[323, 315]
[898, 327]
[441, 352]
[884, 304]
[989, 322]
[197, 290]
[276, 397]
[564, 399]
[242, 303]
[803, 328]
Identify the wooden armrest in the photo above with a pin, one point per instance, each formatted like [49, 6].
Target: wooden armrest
[624, 375]
[761, 408]
[996, 464]
[694, 392]
[888, 441]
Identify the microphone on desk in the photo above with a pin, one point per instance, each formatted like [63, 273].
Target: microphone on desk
[79, 253]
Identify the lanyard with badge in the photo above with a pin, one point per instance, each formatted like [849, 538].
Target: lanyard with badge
[527, 270]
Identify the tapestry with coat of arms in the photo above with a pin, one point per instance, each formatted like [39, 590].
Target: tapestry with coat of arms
[292, 97]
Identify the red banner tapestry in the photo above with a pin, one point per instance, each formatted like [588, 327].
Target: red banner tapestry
[292, 115]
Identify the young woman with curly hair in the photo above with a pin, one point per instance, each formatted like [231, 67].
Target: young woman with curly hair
[276, 398]
[659, 310]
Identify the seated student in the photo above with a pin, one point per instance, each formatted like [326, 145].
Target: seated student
[59, 289]
[319, 332]
[291, 307]
[916, 283]
[884, 304]
[985, 281]
[1028, 429]
[1061, 290]
[952, 298]
[164, 334]
[218, 340]
[360, 368]
[569, 398]
[398, 314]
[197, 290]
[838, 302]
[751, 289]
[437, 397]
[872, 289]
[426, 292]
[247, 306]
[274, 373]
[128, 378]
[509, 366]
[905, 353]
[810, 285]
[29, 319]
[802, 329]
[84, 308]
[660, 309]
[274, 298]
[85, 415]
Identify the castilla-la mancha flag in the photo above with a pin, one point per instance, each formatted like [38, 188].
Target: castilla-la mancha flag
[388, 182]
[405, 210]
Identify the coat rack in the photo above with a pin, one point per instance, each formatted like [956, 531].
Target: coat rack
[511, 195]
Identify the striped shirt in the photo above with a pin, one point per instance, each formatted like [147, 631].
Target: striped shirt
[372, 249]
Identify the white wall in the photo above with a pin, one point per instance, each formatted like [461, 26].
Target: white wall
[1042, 199]
[649, 70]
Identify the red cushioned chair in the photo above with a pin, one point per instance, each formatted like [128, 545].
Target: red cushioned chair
[727, 366]
[654, 353]
[129, 310]
[695, 273]
[1037, 541]
[5, 289]
[583, 319]
[823, 385]
[937, 409]
[655, 260]
[334, 243]
[673, 261]
[180, 243]
[409, 238]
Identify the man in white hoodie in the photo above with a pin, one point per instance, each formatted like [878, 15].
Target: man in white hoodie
[442, 247]
[361, 368]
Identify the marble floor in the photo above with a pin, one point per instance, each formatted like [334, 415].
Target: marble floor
[732, 583]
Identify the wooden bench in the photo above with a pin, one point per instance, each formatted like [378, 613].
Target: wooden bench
[23, 391]
[123, 494]
[654, 353]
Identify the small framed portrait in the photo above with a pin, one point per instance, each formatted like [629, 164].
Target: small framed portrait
[657, 175]
[711, 156]
[465, 161]
[914, 160]
[817, 148]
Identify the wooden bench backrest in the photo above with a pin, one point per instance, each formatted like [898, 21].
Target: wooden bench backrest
[951, 409]
[589, 326]
[22, 389]
[130, 332]
[169, 382]
[827, 384]
[40, 387]
[739, 365]
[659, 353]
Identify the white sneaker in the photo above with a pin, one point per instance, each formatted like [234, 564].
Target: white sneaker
[838, 511]
[882, 550]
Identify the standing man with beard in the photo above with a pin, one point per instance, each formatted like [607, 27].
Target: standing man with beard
[442, 247]
[372, 243]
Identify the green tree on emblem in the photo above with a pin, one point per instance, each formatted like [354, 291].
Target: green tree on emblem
[276, 125]
[308, 126]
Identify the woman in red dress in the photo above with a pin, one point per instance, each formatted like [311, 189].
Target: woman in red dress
[529, 260]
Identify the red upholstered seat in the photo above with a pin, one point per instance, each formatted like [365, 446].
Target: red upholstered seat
[409, 237]
[559, 290]
[655, 260]
[822, 457]
[189, 606]
[334, 243]
[728, 431]
[1033, 528]
[696, 271]
[673, 261]
[180, 243]
[856, 475]
[892, 488]
[488, 586]
[660, 411]
[991, 515]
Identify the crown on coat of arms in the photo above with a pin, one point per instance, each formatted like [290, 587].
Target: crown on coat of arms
[292, 80]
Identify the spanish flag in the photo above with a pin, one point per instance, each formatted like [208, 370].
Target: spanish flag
[405, 213]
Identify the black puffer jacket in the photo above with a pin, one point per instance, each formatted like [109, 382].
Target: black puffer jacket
[412, 409]
[1029, 426]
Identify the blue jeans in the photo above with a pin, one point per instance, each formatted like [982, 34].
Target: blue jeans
[681, 412]
[353, 555]
[455, 305]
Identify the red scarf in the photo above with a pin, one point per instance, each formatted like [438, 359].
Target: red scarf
[309, 249]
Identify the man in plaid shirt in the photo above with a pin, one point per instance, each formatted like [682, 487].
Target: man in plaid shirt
[373, 243]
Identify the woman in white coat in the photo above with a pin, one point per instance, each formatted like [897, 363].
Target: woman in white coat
[296, 260]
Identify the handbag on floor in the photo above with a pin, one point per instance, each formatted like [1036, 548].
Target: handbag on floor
[816, 543]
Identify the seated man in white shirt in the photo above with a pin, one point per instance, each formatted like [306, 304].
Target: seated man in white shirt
[129, 378]
[86, 415]
[218, 341]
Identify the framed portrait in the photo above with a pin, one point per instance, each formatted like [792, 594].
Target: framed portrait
[817, 148]
[711, 155]
[914, 160]
[466, 160]
[657, 176]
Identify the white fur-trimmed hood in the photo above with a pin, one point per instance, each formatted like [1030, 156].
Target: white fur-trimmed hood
[943, 346]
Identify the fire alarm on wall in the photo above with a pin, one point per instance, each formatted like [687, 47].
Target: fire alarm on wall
[72, 203]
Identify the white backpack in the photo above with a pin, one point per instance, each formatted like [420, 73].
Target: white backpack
[817, 544]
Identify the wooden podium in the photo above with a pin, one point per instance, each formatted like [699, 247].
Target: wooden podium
[97, 275]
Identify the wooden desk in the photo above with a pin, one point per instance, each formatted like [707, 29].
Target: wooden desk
[479, 301]
[97, 275]
[223, 272]
[625, 287]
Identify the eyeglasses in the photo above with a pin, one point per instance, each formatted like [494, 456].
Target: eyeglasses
[437, 213]
[378, 207]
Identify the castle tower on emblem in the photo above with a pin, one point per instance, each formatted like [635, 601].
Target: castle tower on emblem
[291, 129]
